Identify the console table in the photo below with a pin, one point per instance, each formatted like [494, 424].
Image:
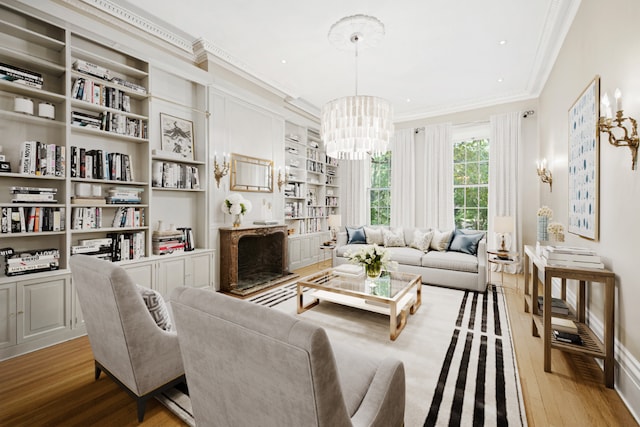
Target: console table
[541, 322]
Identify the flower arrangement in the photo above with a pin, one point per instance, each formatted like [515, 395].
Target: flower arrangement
[556, 230]
[545, 211]
[235, 204]
[373, 258]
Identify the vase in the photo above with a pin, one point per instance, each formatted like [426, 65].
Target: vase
[373, 271]
[543, 234]
[237, 220]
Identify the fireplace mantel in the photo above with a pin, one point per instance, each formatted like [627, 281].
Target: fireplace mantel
[253, 258]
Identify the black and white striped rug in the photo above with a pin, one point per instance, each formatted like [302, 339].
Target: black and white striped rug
[457, 350]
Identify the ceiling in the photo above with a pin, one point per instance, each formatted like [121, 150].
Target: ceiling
[437, 56]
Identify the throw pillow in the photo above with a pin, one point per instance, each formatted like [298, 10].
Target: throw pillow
[356, 235]
[156, 306]
[465, 242]
[440, 240]
[374, 236]
[393, 237]
[422, 240]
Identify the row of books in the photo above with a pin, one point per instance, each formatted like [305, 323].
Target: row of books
[100, 164]
[111, 122]
[98, 94]
[175, 175]
[42, 159]
[293, 189]
[32, 262]
[565, 330]
[99, 248]
[32, 219]
[566, 256]
[21, 75]
[127, 246]
[124, 195]
[33, 194]
[105, 74]
[88, 218]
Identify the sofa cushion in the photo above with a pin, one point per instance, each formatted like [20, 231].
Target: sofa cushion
[421, 240]
[405, 255]
[465, 242]
[394, 237]
[373, 235]
[356, 235]
[450, 261]
[157, 307]
[440, 240]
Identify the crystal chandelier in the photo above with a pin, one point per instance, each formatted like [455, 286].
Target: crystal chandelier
[355, 127]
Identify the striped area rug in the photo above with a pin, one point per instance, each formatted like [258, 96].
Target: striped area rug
[457, 350]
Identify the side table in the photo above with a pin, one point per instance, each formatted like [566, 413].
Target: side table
[501, 259]
[325, 249]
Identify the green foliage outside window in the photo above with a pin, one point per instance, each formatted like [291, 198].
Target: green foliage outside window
[471, 183]
[380, 192]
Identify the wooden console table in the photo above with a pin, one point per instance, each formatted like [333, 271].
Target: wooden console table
[592, 345]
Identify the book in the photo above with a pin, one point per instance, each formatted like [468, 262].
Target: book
[564, 325]
[570, 257]
[567, 337]
[570, 250]
[558, 306]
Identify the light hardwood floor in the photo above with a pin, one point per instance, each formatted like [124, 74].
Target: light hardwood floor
[55, 386]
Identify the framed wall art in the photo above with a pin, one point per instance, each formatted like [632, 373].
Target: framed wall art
[177, 136]
[584, 162]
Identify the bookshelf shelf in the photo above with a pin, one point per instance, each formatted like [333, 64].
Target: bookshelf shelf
[110, 182]
[25, 34]
[534, 268]
[32, 92]
[35, 177]
[132, 93]
[91, 131]
[32, 234]
[113, 65]
[107, 230]
[100, 108]
[26, 60]
[187, 190]
[32, 205]
[33, 120]
[176, 160]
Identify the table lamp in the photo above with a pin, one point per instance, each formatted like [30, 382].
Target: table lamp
[334, 222]
[503, 225]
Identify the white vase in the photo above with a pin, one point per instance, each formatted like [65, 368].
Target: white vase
[543, 234]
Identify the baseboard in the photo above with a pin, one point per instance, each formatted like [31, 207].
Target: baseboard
[627, 367]
[34, 345]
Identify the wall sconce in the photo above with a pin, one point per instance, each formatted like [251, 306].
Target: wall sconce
[282, 180]
[605, 125]
[220, 171]
[545, 174]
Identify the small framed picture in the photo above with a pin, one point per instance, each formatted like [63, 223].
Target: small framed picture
[177, 135]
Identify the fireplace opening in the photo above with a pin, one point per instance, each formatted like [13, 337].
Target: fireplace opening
[259, 260]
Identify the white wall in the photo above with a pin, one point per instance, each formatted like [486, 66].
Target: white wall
[603, 40]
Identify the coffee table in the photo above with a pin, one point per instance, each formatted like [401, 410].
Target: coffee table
[392, 294]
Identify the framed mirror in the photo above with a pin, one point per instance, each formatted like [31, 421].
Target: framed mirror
[251, 174]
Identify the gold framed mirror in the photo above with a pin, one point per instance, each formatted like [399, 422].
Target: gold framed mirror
[251, 174]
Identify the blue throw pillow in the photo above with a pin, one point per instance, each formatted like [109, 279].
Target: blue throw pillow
[465, 243]
[356, 235]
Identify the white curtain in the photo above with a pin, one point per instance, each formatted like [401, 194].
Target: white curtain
[403, 198]
[354, 191]
[503, 176]
[436, 208]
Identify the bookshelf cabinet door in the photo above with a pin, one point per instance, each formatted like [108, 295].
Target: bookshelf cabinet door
[199, 273]
[46, 307]
[8, 314]
[143, 274]
[171, 274]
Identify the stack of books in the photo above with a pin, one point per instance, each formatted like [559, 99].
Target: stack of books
[566, 256]
[97, 248]
[125, 195]
[34, 195]
[20, 75]
[167, 242]
[32, 262]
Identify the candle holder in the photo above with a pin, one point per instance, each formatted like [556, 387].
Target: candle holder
[282, 180]
[220, 171]
[545, 175]
[629, 137]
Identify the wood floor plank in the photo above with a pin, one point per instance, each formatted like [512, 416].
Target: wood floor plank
[55, 386]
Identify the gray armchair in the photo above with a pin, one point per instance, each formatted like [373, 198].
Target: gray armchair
[127, 343]
[248, 365]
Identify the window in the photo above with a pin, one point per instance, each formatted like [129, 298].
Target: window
[471, 183]
[380, 191]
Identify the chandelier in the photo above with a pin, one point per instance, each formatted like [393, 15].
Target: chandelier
[355, 127]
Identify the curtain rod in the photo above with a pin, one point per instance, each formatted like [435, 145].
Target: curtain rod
[478, 122]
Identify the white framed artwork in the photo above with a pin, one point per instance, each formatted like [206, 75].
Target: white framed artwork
[584, 162]
[177, 136]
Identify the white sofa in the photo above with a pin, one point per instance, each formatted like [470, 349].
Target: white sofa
[444, 268]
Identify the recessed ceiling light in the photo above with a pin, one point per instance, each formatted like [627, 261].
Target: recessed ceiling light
[502, 42]
[500, 80]
[284, 61]
[408, 99]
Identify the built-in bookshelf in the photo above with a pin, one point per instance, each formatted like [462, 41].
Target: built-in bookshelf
[311, 193]
[81, 135]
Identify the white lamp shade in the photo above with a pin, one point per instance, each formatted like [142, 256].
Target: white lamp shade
[503, 224]
[334, 221]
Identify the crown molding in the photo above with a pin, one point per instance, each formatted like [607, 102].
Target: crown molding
[120, 14]
[559, 18]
